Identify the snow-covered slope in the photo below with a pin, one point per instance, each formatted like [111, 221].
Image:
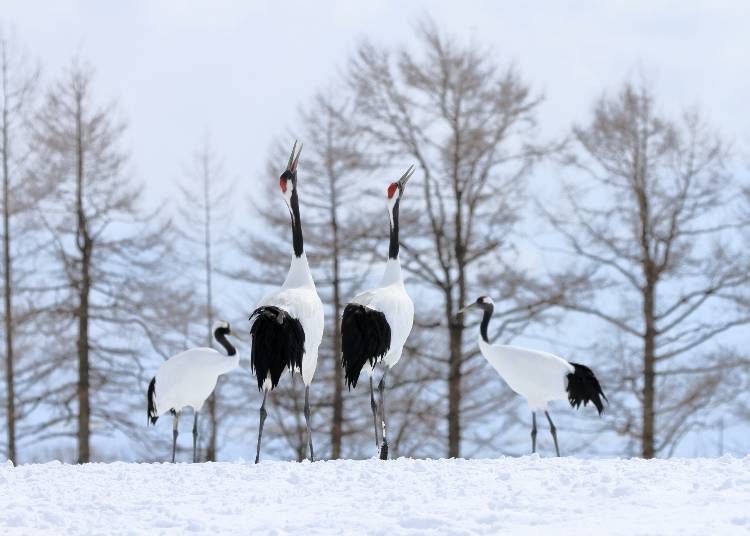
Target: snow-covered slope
[527, 495]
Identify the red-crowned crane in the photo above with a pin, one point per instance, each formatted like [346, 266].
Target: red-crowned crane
[376, 323]
[188, 379]
[538, 376]
[287, 325]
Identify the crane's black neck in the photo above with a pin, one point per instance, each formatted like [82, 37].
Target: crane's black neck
[488, 309]
[220, 334]
[297, 241]
[393, 246]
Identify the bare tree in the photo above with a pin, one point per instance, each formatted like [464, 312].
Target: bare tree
[649, 218]
[108, 278]
[18, 81]
[204, 210]
[470, 127]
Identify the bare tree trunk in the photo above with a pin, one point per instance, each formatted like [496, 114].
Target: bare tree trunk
[454, 384]
[650, 279]
[456, 327]
[85, 246]
[211, 449]
[456, 339]
[647, 440]
[10, 403]
[338, 398]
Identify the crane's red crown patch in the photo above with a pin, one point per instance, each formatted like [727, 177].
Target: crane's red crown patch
[392, 189]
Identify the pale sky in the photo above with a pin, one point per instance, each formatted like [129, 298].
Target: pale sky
[239, 69]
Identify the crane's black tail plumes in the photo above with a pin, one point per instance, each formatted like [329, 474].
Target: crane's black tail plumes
[151, 414]
[278, 343]
[365, 336]
[583, 387]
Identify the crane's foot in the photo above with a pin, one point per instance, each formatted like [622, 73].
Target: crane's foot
[384, 450]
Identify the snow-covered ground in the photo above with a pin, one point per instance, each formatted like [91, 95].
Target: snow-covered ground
[528, 495]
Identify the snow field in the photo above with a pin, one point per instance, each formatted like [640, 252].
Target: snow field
[528, 495]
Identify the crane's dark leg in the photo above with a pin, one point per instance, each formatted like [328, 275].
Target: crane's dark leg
[263, 415]
[533, 432]
[175, 422]
[307, 422]
[384, 446]
[374, 408]
[553, 431]
[195, 437]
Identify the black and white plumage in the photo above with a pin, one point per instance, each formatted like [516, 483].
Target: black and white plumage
[287, 324]
[377, 322]
[187, 380]
[278, 344]
[539, 377]
[365, 337]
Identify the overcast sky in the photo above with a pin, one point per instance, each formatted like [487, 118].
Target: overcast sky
[240, 69]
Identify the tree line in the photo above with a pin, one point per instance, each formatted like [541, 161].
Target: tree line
[623, 242]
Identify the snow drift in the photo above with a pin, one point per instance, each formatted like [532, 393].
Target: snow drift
[528, 495]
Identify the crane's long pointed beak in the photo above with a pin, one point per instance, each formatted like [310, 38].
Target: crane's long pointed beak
[464, 309]
[406, 176]
[292, 164]
[291, 156]
[296, 158]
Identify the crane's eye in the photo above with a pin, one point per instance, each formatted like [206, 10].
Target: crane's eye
[392, 189]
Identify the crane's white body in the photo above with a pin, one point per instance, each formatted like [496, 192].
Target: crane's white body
[299, 297]
[188, 378]
[539, 377]
[391, 299]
